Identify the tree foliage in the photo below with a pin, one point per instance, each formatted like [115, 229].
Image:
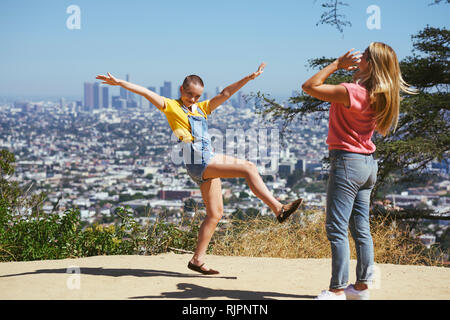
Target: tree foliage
[332, 15]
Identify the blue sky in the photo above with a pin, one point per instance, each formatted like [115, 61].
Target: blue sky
[156, 41]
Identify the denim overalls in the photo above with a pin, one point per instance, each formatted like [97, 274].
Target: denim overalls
[198, 153]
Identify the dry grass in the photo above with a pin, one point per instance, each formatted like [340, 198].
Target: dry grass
[305, 237]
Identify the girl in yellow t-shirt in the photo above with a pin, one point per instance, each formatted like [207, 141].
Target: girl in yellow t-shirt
[187, 118]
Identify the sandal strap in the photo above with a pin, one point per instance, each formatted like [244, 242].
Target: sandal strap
[280, 217]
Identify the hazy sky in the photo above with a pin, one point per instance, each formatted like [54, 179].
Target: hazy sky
[156, 41]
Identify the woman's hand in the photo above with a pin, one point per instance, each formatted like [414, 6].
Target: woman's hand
[349, 61]
[258, 72]
[316, 87]
[108, 80]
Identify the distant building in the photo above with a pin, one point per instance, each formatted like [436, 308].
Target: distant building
[301, 164]
[166, 89]
[314, 166]
[404, 200]
[101, 96]
[443, 166]
[98, 97]
[119, 103]
[174, 194]
[286, 168]
[131, 103]
[156, 204]
[88, 96]
[24, 105]
[105, 96]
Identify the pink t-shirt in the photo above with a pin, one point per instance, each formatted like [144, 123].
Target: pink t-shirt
[351, 128]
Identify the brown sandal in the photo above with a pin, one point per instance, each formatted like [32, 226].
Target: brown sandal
[193, 267]
[289, 209]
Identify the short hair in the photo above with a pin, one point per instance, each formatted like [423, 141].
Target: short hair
[192, 79]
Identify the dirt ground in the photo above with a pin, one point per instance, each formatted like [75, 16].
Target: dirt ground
[166, 276]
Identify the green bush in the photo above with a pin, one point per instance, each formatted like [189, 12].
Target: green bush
[162, 236]
[27, 238]
[59, 237]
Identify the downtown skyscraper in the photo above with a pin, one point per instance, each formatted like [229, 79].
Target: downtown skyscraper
[88, 96]
[101, 96]
[96, 96]
[166, 90]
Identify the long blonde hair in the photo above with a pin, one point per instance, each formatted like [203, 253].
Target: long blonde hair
[383, 79]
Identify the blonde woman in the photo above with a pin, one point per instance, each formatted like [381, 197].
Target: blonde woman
[371, 103]
[187, 119]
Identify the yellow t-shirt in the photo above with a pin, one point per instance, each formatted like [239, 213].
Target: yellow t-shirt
[178, 119]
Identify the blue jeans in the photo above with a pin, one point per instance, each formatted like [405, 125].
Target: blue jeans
[350, 183]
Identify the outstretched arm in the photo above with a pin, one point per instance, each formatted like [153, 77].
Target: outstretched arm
[233, 88]
[151, 96]
[316, 88]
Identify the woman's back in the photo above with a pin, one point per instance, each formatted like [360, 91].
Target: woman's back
[351, 127]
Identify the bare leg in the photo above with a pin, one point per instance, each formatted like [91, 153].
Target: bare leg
[212, 197]
[223, 166]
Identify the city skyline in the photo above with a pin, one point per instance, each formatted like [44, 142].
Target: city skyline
[97, 96]
[41, 56]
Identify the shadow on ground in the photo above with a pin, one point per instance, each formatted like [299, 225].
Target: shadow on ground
[192, 291]
[118, 273]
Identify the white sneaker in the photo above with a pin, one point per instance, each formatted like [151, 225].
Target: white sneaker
[352, 294]
[328, 295]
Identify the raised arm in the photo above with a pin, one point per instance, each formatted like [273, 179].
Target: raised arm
[233, 88]
[151, 96]
[316, 88]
